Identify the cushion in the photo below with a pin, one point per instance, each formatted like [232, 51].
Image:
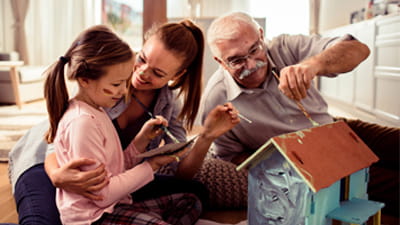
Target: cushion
[27, 74]
[227, 187]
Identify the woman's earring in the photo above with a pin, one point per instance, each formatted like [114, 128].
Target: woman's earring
[141, 72]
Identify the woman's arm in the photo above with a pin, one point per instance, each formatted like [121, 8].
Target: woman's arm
[72, 179]
[218, 121]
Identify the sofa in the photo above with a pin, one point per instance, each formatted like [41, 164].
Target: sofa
[30, 86]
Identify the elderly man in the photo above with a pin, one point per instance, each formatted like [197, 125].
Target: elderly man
[264, 80]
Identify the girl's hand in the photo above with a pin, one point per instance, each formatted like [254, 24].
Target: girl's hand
[150, 130]
[158, 161]
[221, 119]
[152, 127]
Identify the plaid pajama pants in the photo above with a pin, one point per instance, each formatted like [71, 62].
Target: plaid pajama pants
[176, 209]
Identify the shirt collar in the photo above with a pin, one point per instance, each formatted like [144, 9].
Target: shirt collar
[164, 97]
[271, 67]
[233, 90]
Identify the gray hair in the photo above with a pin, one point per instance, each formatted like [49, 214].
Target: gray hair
[227, 27]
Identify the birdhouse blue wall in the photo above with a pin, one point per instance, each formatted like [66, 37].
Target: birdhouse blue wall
[278, 195]
[358, 184]
[321, 203]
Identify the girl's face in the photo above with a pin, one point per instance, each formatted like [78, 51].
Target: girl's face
[155, 66]
[111, 87]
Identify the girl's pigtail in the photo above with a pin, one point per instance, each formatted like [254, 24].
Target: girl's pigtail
[56, 95]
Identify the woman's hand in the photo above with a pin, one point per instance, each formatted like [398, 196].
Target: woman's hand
[70, 177]
[221, 119]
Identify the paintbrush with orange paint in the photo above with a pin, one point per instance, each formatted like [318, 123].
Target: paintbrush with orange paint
[299, 105]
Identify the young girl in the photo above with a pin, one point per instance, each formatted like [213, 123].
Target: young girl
[102, 65]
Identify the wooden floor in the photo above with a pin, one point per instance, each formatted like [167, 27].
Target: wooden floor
[8, 214]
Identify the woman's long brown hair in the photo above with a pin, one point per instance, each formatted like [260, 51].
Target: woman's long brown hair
[93, 50]
[186, 40]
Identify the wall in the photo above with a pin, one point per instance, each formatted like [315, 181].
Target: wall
[336, 13]
[370, 92]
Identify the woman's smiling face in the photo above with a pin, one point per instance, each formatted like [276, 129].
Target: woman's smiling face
[155, 66]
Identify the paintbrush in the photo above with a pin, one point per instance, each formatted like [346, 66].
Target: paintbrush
[164, 128]
[244, 118]
[241, 116]
[299, 105]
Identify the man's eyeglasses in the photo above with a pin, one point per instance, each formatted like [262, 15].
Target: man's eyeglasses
[239, 61]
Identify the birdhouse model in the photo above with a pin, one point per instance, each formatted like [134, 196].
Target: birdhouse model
[316, 176]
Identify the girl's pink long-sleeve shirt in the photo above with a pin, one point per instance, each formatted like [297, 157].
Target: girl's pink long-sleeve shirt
[85, 132]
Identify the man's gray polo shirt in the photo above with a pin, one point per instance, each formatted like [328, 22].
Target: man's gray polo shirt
[271, 112]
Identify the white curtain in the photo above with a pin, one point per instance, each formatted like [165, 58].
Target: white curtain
[52, 25]
[19, 9]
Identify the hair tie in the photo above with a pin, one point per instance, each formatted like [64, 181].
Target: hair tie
[186, 26]
[64, 59]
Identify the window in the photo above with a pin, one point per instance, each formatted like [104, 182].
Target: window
[126, 17]
[283, 16]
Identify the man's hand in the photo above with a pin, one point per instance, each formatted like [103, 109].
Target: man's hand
[341, 57]
[296, 79]
[70, 178]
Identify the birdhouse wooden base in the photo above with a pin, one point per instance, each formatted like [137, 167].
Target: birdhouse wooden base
[357, 211]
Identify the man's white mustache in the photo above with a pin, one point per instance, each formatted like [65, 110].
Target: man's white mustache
[247, 72]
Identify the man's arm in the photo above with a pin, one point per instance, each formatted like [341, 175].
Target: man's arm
[341, 57]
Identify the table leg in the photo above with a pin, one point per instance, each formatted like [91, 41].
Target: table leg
[377, 218]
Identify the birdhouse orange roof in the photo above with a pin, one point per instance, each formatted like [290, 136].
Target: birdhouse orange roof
[321, 155]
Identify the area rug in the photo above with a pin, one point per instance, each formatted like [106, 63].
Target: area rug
[15, 122]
